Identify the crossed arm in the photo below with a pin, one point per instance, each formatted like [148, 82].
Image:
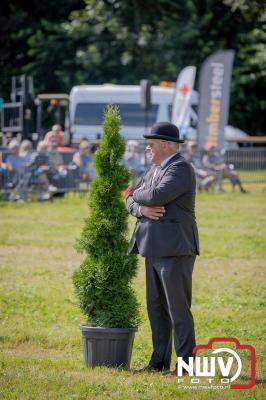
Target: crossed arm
[138, 211]
[150, 202]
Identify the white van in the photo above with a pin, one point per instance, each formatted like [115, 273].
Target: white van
[87, 103]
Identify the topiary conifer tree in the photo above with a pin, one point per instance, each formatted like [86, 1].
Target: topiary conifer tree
[103, 281]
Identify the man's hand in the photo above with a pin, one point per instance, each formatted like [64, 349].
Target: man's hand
[154, 213]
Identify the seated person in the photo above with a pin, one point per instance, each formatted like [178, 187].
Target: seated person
[3, 171]
[55, 133]
[132, 160]
[204, 179]
[213, 161]
[55, 158]
[26, 152]
[58, 172]
[41, 158]
[41, 165]
[14, 164]
[83, 160]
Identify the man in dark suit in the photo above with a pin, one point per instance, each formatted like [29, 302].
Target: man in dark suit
[166, 235]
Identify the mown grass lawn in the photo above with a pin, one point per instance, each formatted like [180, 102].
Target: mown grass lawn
[40, 343]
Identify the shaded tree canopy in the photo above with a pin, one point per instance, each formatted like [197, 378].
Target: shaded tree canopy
[124, 41]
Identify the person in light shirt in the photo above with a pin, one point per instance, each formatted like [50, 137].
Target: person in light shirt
[55, 134]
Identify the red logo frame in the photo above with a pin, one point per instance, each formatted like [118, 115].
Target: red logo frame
[248, 347]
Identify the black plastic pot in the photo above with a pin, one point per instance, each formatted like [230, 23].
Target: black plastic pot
[107, 346]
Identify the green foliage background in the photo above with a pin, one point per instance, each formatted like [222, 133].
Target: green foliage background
[103, 282]
[96, 41]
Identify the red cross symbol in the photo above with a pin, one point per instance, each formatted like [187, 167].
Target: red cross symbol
[184, 89]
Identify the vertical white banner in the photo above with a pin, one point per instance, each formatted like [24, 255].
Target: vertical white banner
[182, 99]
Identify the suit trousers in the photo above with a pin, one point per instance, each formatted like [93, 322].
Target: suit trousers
[169, 294]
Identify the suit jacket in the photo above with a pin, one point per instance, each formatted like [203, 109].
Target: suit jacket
[175, 233]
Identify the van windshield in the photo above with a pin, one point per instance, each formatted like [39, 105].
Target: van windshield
[131, 114]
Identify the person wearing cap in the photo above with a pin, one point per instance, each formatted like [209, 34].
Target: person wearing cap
[166, 235]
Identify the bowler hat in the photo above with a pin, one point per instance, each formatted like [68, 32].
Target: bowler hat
[164, 131]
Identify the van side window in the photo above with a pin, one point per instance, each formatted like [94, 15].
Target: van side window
[131, 114]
